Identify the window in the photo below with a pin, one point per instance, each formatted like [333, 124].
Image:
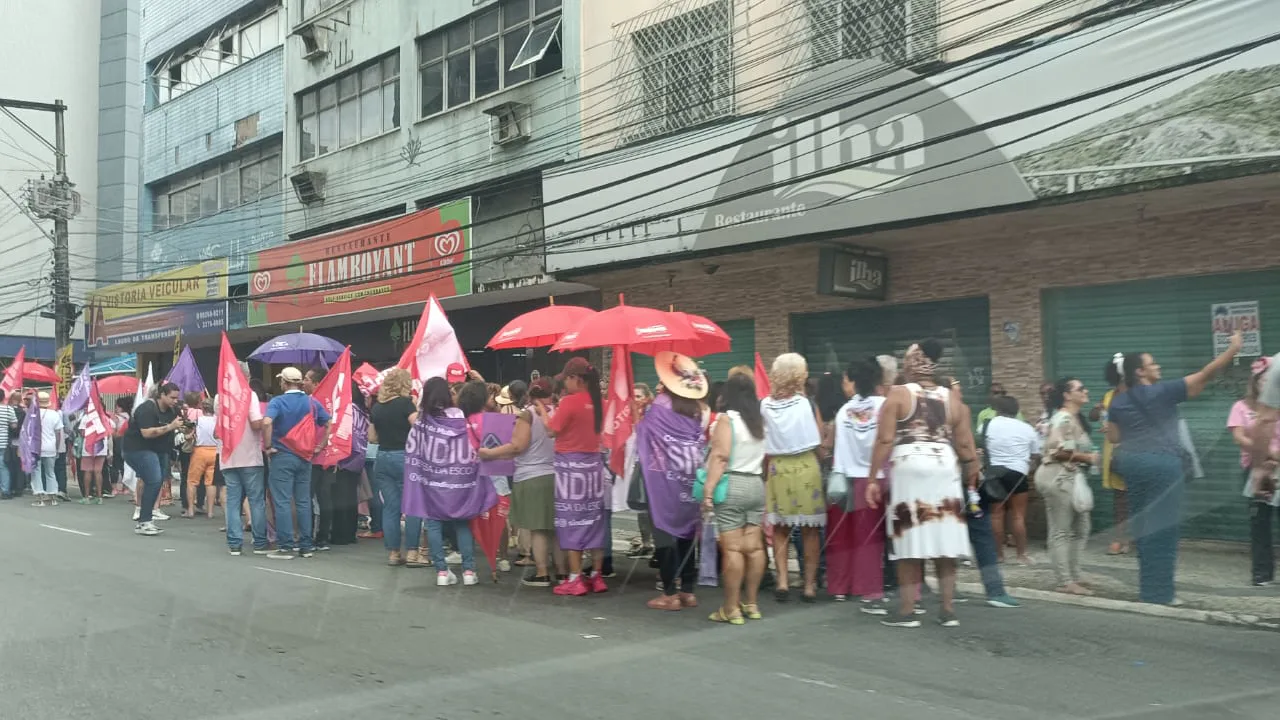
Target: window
[686, 70]
[508, 44]
[250, 176]
[311, 8]
[354, 106]
[191, 67]
[899, 32]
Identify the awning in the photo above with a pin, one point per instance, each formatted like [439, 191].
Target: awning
[116, 365]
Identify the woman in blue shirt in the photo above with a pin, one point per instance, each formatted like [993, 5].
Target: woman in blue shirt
[1145, 419]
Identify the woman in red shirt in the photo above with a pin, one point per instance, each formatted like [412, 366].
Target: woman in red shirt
[579, 468]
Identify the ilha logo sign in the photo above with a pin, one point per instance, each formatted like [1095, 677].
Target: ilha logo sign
[853, 273]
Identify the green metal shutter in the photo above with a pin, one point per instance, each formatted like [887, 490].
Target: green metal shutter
[741, 352]
[831, 340]
[1169, 318]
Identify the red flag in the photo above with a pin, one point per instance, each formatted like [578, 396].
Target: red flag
[334, 394]
[94, 422]
[762, 379]
[366, 376]
[234, 397]
[13, 374]
[617, 409]
[434, 346]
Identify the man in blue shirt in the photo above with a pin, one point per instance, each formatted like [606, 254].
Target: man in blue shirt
[291, 456]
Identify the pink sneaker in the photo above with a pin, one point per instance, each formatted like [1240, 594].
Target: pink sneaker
[575, 588]
[596, 583]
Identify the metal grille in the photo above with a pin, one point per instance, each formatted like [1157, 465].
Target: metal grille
[898, 32]
[677, 70]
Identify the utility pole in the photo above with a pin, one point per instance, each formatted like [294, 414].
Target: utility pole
[59, 202]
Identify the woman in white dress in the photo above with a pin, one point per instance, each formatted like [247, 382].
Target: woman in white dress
[924, 436]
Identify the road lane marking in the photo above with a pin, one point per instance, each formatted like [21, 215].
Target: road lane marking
[311, 577]
[65, 530]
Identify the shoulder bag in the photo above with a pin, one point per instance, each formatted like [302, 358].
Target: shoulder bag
[992, 484]
[722, 488]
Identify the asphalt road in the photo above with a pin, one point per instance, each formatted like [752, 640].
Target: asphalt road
[100, 623]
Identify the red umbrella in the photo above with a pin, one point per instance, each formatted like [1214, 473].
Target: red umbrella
[710, 339]
[118, 385]
[487, 530]
[641, 329]
[541, 327]
[36, 372]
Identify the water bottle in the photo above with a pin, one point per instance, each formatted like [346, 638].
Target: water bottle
[975, 504]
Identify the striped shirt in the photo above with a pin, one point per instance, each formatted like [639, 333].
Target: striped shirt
[7, 418]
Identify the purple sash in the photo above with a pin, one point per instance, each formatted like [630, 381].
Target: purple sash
[359, 441]
[580, 494]
[670, 448]
[441, 474]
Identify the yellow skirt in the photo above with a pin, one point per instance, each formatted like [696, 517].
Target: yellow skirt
[794, 491]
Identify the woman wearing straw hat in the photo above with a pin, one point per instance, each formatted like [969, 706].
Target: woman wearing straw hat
[670, 440]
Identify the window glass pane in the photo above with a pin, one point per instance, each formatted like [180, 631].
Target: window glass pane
[307, 138]
[458, 37]
[348, 86]
[370, 114]
[209, 197]
[370, 77]
[541, 6]
[230, 189]
[328, 95]
[348, 122]
[488, 74]
[270, 170]
[270, 32]
[514, 12]
[328, 131]
[391, 105]
[250, 39]
[541, 35]
[459, 78]
[191, 203]
[391, 66]
[432, 90]
[308, 103]
[485, 25]
[431, 48]
[511, 43]
[250, 183]
[160, 212]
[552, 60]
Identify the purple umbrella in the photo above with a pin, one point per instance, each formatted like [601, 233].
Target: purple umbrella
[305, 349]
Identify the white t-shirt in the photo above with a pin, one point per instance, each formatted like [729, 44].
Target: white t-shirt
[248, 452]
[1011, 443]
[746, 457]
[789, 426]
[205, 425]
[857, 423]
[50, 425]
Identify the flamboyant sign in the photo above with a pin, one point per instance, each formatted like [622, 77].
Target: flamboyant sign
[400, 261]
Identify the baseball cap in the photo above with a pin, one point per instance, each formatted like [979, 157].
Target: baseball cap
[290, 375]
[575, 366]
[455, 373]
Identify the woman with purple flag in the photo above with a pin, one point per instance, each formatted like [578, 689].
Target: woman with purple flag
[670, 441]
[579, 469]
[442, 481]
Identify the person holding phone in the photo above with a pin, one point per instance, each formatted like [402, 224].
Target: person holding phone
[147, 442]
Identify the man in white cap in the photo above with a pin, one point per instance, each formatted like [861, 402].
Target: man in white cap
[298, 433]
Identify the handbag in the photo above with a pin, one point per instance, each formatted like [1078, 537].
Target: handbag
[992, 483]
[839, 491]
[700, 477]
[1081, 493]
[637, 497]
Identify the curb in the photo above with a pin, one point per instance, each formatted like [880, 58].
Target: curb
[1213, 617]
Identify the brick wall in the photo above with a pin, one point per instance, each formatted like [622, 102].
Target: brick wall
[1009, 257]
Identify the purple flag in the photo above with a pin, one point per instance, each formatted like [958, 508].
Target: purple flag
[185, 374]
[359, 440]
[441, 474]
[78, 395]
[29, 438]
[494, 430]
[670, 447]
[580, 493]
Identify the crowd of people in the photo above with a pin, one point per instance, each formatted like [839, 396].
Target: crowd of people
[868, 475]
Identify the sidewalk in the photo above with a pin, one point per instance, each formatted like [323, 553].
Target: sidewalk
[1212, 584]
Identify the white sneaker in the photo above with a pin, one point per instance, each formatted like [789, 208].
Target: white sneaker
[137, 512]
[504, 565]
[469, 578]
[146, 528]
[453, 558]
[157, 515]
[445, 578]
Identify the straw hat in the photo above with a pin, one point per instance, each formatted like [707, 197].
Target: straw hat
[43, 398]
[680, 375]
[504, 396]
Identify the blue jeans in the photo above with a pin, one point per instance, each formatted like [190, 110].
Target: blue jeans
[389, 471]
[1155, 486]
[242, 483]
[375, 502]
[290, 488]
[984, 552]
[147, 466]
[6, 486]
[466, 544]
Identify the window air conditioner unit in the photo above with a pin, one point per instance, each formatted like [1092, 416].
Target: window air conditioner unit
[508, 123]
[315, 42]
[308, 186]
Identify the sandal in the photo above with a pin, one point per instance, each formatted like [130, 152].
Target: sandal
[751, 610]
[782, 595]
[719, 617]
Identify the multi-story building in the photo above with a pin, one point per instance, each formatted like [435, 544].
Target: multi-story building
[418, 128]
[1041, 184]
